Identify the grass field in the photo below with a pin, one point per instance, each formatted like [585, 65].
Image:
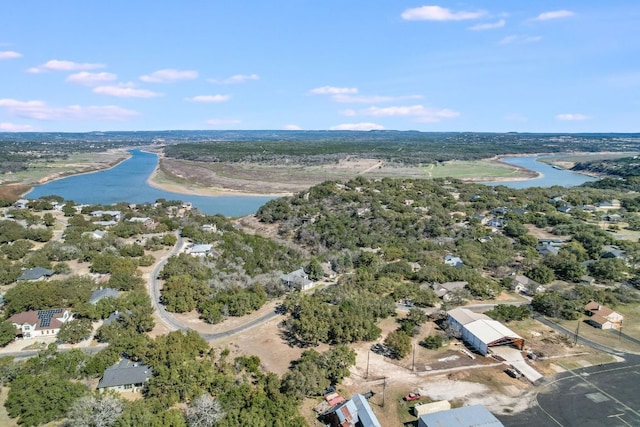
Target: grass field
[480, 170]
[41, 171]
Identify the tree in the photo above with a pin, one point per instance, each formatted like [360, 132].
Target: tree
[18, 249]
[314, 270]
[613, 269]
[432, 342]
[39, 399]
[399, 343]
[7, 333]
[541, 274]
[94, 411]
[74, 331]
[48, 219]
[203, 411]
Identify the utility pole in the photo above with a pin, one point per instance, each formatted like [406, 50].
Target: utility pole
[413, 363]
[575, 339]
[384, 387]
[620, 332]
[368, 354]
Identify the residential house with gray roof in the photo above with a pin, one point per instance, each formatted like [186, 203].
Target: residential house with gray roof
[125, 375]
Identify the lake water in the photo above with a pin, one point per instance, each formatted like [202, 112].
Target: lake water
[550, 175]
[127, 182]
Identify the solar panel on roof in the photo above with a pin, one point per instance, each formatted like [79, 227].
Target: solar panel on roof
[45, 316]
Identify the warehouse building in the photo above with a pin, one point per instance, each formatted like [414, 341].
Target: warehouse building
[480, 331]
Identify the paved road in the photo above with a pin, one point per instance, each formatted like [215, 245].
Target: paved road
[173, 323]
[581, 339]
[598, 396]
[154, 289]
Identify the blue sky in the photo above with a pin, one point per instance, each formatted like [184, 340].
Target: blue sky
[528, 66]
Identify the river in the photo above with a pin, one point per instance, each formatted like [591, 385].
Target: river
[127, 182]
[550, 175]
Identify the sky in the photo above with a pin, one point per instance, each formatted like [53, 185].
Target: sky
[483, 66]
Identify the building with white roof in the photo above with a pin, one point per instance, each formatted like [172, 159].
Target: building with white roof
[481, 332]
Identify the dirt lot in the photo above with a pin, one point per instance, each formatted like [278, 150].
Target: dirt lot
[254, 178]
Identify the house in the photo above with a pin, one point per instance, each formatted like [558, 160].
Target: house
[209, 228]
[95, 234]
[125, 375]
[199, 249]
[444, 290]
[613, 251]
[500, 211]
[612, 218]
[546, 248]
[495, 223]
[565, 208]
[146, 221]
[355, 412]
[297, 279]
[603, 317]
[465, 416]
[40, 323]
[113, 214]
[21, 204]
[35, 274]
[99, 294]
[524, 285]
[453, 261]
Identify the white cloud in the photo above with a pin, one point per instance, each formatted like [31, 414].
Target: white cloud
[91, 79]
[12, 127]
[125, 90]
[169, 75]
[41, 111]
[370, 99]
[291, 127]
[437, 13]
[9, 54]
[489, 25]
[237, 78]
[223, 122]
[572, 117]
[58, 65]
[556, 14]
[520, 39]
[209, 98]
[419, 112]
[332, 90]
[357, 126]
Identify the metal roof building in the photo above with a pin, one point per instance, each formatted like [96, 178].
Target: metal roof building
[466, 416]
[481, 332]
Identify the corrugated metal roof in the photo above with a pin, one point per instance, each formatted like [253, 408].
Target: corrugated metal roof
[464, 315]
[466, 416]
[489, 330]
[365, 413]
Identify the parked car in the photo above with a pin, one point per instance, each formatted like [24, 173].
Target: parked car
[412, 396]
[512, 373]
[328, 390]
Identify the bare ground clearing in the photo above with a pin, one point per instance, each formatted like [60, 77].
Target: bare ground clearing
[255, 178]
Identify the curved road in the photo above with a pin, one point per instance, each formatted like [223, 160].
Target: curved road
[173, 323]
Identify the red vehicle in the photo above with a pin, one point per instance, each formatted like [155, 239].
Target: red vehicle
[412, 396]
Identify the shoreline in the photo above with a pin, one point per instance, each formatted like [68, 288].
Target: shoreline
[176, 187]
[67, 174]
[194, 190]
